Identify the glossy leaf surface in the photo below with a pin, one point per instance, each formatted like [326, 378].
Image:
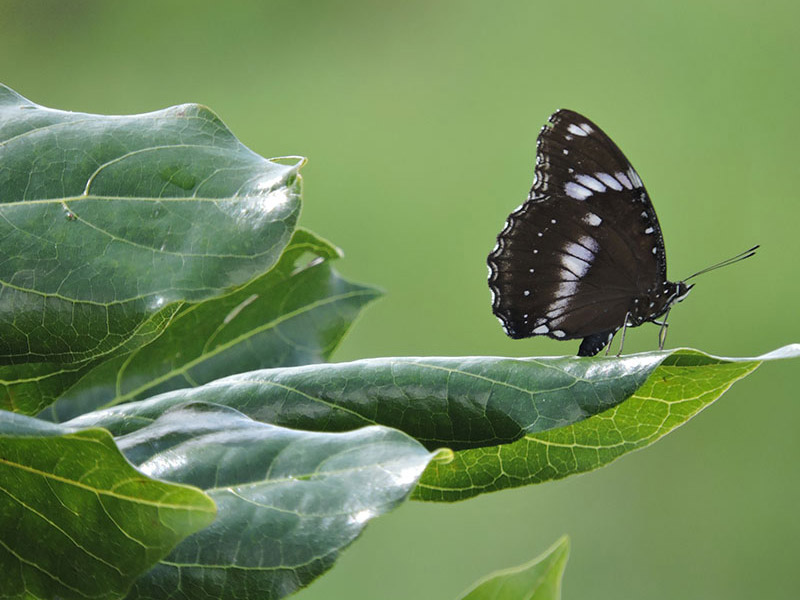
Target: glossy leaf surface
[289, 501]
[514, 422]
[109, 223]
[76, 519]
[454, 402]
[257, 472]
[295, 314]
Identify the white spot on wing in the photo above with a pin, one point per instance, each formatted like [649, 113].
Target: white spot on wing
[557, 307]
[589, 243]
[623, 179]
[558, 333]
[576, 130]
[590, 182]
[565, 288]
[576, 266]
[592, 219]
[542, 329]
[576, 259]
[609, 181]
[587, 128]
[637, 182]
[649, 230]
[573, 190]
[566, 275]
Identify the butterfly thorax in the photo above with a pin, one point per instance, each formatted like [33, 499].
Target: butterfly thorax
[656, 302]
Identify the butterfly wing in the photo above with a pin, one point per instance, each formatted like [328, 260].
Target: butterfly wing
[573, 259]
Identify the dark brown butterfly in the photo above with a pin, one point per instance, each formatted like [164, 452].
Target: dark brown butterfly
[583, 257]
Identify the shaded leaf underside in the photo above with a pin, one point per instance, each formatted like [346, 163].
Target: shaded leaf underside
[685, 383]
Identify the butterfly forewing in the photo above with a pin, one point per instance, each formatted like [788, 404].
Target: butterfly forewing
[569, 145]
[584, 246]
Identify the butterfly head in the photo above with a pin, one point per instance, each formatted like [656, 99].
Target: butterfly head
[681, 291]
[658, 301]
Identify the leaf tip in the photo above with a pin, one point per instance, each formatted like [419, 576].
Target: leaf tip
[443, 456]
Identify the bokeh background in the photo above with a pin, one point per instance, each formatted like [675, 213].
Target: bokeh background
[419, 120]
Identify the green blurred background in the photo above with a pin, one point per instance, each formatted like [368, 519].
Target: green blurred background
[419, 120]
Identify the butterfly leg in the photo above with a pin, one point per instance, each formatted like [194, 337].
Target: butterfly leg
[662, 333]
[622, 338]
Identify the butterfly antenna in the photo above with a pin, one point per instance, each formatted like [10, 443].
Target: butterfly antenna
[728, 261]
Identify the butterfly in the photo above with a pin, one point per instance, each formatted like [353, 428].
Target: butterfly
[583, 256]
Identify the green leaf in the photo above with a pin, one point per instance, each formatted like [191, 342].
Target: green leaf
[539, 579]
[297, 313]
[109, 223]
[28, 388]
[514, 422]
[289, 501]
[684, 383]
[454, 402]
[77, 520]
